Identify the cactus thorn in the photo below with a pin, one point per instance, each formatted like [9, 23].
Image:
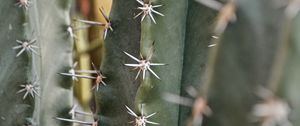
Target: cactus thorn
[99, 78]
[23, 3]
[30, 89]
[77, 121]
[143, 65]
[213, 4]
[71, 72]
[226, 15]
[212, 45]
[147, 9]
[292, 9]
[71, 30]
[273, 111]
[30, 122]
[141, 120]
[73, 112]
[199, 105]
[26, 46]
[107, 25]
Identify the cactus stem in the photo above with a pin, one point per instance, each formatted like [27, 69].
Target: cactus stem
[107, 23]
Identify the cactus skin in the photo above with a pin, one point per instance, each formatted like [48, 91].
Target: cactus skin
[150, 90]
[47, 21]
[197, 38]
[289, 85]
[168, 36]
[56, 56]
[121, 87]
[246, 52]
[231, 53]
[13, 70]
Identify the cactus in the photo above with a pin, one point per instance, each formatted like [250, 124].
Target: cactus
[169, 63]
[230, 27]
[255, 51]
[150, 42]
[31, 89]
